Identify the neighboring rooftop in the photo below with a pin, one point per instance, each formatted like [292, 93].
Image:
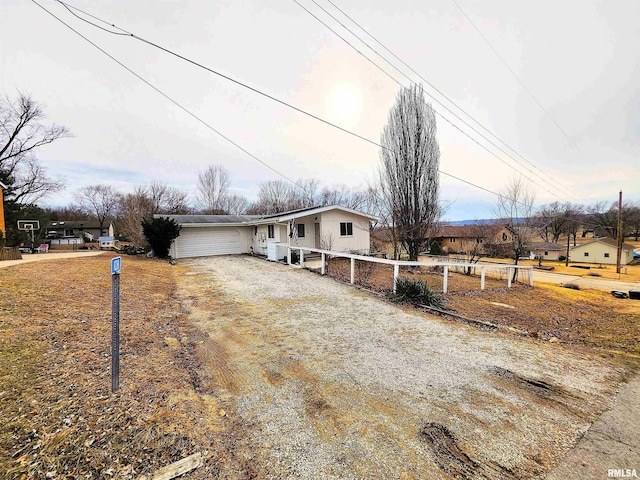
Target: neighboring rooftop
[612, 242]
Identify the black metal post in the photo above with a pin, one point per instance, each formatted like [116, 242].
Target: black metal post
[115, 332]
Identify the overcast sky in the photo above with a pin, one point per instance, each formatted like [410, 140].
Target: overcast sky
[579, 58]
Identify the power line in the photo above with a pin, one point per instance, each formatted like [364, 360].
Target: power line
[558, 184]
[440, 114]
[257, 91]
[235, 81]
[189, 112]
[546, 112]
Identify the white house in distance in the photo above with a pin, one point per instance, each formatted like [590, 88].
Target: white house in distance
[331, 228]
[601, 250]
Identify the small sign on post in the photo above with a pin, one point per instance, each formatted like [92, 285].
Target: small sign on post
[116, 264]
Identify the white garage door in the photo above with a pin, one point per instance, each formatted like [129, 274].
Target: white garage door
[202, 242]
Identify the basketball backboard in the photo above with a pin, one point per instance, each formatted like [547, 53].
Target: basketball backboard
[28, 225]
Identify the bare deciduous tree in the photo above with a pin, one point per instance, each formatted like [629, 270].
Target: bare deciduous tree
[143, 203]
[343, 196]
[236, 204]
[22, 133]
[480, 237]
[408, 176]
[213, 189]
[275, 196]
[98, 201]
[603, 216]
[514, 209]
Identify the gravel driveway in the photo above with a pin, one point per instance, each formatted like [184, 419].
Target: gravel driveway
[319, 380]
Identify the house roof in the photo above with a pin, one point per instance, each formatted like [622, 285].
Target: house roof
[607, 241]
[547, 246]
[305, 212]
[245, 220]
[211, 219]
[468, 231]
[73, 224]
[3, 186]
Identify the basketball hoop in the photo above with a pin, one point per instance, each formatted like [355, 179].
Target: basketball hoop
[29, 226]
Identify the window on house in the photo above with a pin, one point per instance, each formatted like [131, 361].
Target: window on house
[300, 230]
[452, 240]
[270, 231]
[504, 237]
[346, 229]
[606, 255]
[586, 254]
[546, 253]
[255, 230]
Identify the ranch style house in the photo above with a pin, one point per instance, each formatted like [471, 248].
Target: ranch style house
[331, 228]
[601, 250]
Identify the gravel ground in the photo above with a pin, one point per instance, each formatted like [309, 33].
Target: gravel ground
[320, 380]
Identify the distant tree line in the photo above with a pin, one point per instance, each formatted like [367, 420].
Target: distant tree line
[405, 195]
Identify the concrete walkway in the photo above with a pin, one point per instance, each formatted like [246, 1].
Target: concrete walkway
[612, 442]
[36, 257]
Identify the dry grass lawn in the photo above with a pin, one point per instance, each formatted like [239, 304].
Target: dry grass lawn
[59, 418]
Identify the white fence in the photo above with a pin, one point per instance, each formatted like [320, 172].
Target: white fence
[447, 266]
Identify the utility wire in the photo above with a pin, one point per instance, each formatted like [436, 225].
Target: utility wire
[558, 184]
[226, 77]
[189, 112]
[68, 7]
[436, 100]
[546, 112]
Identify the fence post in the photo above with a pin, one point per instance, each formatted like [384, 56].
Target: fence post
[482, 272]
[323, 261]
[289, 255]
[445, 280]
[353, 269]
[509, 277]
[301, 259]
[531, 276]
[396, 272]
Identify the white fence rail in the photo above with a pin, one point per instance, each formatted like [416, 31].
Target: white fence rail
[447, 266]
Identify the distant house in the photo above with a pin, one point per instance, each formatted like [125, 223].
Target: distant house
[546, 250]
[464, 238]
[76, 231]
[106, 243]
[601, 250]
[331, 228]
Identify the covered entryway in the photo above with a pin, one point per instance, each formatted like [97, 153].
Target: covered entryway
[203, 242]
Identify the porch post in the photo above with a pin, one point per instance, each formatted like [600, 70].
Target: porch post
[353, 268]
[482, 273]
[396, 271]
